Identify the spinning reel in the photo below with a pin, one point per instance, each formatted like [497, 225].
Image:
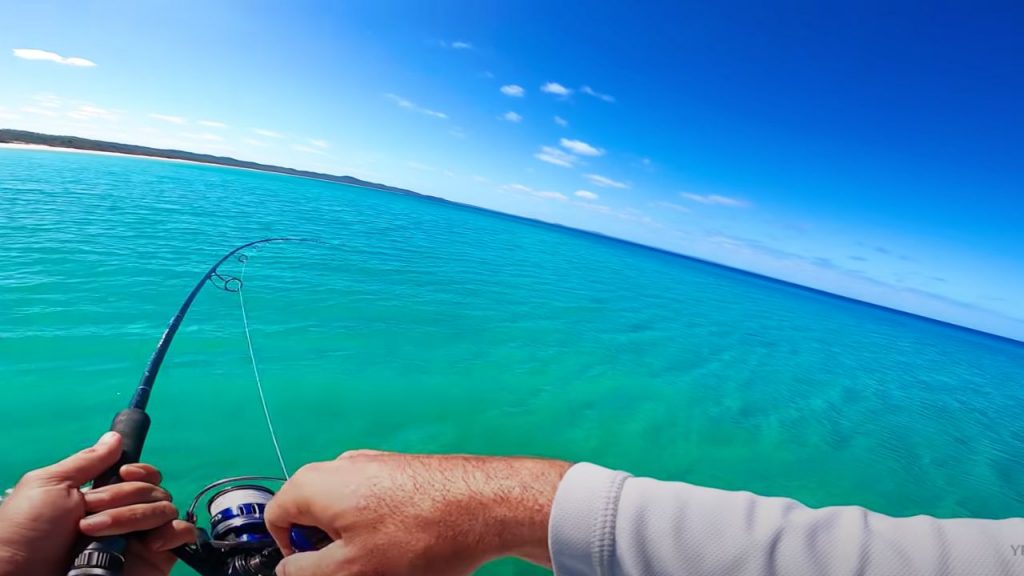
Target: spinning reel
[238, 542]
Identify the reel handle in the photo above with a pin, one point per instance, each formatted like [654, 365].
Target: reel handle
[105, 556]
[308, 538]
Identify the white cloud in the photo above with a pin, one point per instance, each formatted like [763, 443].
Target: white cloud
[516, 188]
[586, 195]
[457, 45]
[671, 206]
[556, 89]
[716, 200]
[513, 90]
[213, 124]
[604, 181]
[487, 74]
[38, 111]
[457, 132]
[34, 54]
[167, 118]
[319, 143]
[550, 195]
[580, 147]
[267, 133]
[596, 94]
[630, 214]
[51, 105]
[88, 112]
[254, 142]
[547, 194]
[48, 100]
[553, 155]
[561, 121]
[480, 178]
[512, 117]
[420, 166]
[5, 115]
[410, 105]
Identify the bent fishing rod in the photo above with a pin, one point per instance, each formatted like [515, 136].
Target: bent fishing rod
[238, 543]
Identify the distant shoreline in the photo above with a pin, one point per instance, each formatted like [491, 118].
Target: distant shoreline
[26, 140]
[47, 147]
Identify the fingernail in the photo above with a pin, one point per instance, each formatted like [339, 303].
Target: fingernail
[97, 522]
[107, 438]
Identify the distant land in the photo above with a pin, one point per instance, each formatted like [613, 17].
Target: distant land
[8, 136]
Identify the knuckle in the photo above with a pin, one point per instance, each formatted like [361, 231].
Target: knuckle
[166, 509]
[158, 511]
[273, 509]
[306, 470]
[33, 477]
[306, 473]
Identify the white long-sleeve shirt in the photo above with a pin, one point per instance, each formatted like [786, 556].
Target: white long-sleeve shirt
[607, 523]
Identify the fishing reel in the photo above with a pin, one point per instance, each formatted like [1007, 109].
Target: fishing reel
[238, 542]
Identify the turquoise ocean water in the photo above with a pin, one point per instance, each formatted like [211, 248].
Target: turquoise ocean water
[434, 327]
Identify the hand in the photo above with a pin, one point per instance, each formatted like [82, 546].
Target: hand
[40, 521]
[397, 514]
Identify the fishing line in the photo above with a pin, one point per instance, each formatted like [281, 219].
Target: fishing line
[255, 371]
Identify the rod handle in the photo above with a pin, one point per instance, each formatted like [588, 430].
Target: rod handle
[105, 556]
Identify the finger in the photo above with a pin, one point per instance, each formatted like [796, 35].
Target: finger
[140, 473]
[169, 536]
[82, 467]
[128, 519]
[361, 452]
[329, 561]
[122, 495]
[278, 519]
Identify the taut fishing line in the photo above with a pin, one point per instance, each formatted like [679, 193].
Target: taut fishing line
[255, 371]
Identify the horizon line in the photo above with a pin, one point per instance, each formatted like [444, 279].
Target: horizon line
[395, 190]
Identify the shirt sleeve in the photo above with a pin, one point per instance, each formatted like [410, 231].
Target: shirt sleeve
[607, 523]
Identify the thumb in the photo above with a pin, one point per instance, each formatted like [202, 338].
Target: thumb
[82, 467]
[328, 561]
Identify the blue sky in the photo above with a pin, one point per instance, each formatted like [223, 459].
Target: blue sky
[872, 149]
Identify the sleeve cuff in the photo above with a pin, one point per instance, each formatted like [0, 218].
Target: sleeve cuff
[581, 531]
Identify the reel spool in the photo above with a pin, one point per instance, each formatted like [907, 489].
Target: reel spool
[236, 516]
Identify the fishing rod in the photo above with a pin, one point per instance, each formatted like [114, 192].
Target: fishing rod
[238, 543]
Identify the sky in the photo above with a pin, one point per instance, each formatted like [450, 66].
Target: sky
[870, 149]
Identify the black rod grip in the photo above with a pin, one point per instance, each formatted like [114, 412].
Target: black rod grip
[105, 556]
[133, 426]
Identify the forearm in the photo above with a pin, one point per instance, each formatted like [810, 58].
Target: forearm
[523, 506]
[639, 526]
[505, 504]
